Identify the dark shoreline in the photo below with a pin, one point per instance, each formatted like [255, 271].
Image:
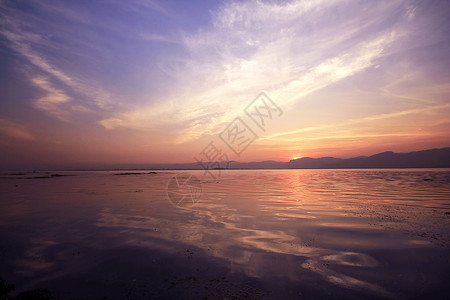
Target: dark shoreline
[424, 159]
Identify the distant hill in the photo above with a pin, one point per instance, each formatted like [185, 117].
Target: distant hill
[433, 158]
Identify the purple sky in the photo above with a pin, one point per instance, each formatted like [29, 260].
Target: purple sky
[93, 83]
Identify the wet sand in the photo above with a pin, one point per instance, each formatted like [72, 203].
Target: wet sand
[262, 234]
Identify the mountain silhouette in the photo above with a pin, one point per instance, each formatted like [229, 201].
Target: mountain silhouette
[432, 158]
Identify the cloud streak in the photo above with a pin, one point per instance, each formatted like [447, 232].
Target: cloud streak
[52, 102]
[167, 74]
[24, 42]
[15, 130]
[254, 46]
[352, 122]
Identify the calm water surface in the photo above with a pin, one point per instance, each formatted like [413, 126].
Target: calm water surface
[264, 234]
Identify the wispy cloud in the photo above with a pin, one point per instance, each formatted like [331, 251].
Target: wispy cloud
[33, 46]
[51, 102]
[296, 135]
[21, 43]
[143, 6]
[281, 48]
[111, 123]
[15, 130]
[167, 73]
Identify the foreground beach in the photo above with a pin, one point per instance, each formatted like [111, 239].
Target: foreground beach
[258, 234]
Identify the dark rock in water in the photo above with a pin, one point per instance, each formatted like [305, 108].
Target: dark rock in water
[135, 173]
[5, 288]
[447, 213]
[60, 175]
[428, 179]
[52, 175]
[128, 173]
[38, 294]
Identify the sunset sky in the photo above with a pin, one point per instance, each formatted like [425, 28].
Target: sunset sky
[100, 83]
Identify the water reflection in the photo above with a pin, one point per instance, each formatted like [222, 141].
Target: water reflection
[285, 227]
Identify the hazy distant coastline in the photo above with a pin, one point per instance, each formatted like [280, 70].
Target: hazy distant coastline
[431, 158]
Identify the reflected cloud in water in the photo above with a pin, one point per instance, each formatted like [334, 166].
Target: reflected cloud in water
[301, 228]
